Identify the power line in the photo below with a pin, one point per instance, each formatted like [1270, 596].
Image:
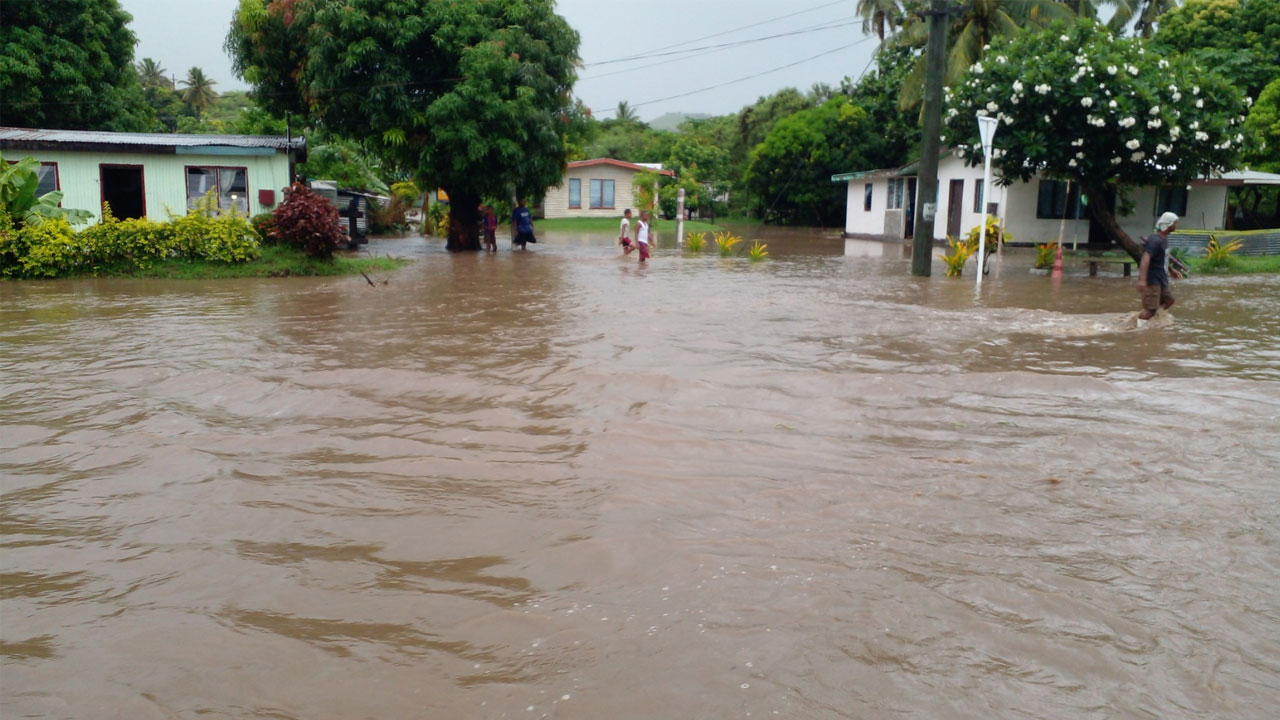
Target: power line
[700, 52]
[730, 31]
[747, 77]
[736, 43]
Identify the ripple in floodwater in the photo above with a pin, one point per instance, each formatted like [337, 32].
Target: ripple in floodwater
[560, 484]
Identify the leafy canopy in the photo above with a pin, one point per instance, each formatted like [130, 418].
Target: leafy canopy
[1238, 38]
[1077, 102]
[1263, 125]
[69, 65]
[790, 172]
[473, 95]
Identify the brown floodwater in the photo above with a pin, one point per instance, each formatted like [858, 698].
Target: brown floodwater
[557, 484]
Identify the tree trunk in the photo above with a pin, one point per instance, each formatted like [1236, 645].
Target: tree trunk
[464, 220]
[1106, 219]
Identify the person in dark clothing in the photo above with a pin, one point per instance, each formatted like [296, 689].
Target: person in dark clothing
[1153, 273]
[522, 225]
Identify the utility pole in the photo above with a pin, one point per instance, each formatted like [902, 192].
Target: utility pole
[927, 195]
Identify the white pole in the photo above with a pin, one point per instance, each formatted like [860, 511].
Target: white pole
[680, 216]
[987, 130]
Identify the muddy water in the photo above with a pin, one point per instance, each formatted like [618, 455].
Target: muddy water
[558, 484]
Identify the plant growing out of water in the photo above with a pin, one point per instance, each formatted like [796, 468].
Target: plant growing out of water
[308, 221]
[960, 253]
[757, 252]
[726, 242]
[696, 241]
[1045, 254]
[995, 236]
[1217, 255]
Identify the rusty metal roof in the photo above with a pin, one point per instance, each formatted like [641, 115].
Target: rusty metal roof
[32, 138]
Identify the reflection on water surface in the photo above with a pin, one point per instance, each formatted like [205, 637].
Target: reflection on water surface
[559, 484]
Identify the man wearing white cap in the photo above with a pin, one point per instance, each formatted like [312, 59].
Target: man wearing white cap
[1153, 276]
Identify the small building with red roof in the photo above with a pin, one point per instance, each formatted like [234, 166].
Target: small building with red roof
[602, 187]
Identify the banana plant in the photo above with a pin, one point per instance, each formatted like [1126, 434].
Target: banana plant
[19, 182]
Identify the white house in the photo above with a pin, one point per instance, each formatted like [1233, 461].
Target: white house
[153, 174]
[595, 188]
[881, 204]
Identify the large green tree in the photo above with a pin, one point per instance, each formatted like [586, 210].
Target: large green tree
[1263, 127]
[973, 27]
[1238, 38]
[69, 64]
[1076, 103]
[470, 95]
[790, 172]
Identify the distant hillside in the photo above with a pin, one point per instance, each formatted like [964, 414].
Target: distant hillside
[671, 121]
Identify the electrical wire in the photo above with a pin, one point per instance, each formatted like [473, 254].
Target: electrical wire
[736, 43]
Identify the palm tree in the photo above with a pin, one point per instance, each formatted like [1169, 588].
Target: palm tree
[198, 94]
[626, 114]
[1146, 12]
[153, 75]
[973, 27]
[884, 16]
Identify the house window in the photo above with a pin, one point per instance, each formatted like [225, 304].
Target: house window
[230, 185]
[895, 193]
[1054, 203]
[46, 176]
[1171, 199]
[602, 194]
[866, 200]
[977, 195]
[575, 193]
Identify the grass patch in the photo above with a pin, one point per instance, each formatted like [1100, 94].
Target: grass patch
[276, 261]
[1236, 265]
[610, 224]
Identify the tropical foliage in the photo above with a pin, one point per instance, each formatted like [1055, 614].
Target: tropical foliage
[1077, 103]
[19, 183]
[198, 91]
[473, 95]
[308, 221]
[960, 253]
[809, 146]
[695, 241]
[1263, 125]
[69, 64]
[53, 248]
[1240, 39]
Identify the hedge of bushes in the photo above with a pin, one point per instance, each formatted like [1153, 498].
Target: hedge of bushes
[53, 248]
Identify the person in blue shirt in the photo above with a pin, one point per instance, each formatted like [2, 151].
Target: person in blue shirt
[522, 226]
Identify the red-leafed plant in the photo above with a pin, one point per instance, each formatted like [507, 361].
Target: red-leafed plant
[308, 221]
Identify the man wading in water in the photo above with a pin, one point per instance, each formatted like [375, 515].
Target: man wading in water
[1153, 274]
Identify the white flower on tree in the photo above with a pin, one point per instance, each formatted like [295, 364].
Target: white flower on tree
[1133, 144]
[1086, 101]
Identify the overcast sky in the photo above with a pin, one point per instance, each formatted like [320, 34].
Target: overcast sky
[185, 33]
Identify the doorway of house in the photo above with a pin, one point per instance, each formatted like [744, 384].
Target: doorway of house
[955, 206]
[123, 188]
[911, 209]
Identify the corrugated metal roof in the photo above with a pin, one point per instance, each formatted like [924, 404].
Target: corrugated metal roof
[18, 136]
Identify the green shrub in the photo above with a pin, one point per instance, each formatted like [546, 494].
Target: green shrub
[1045, 254]
[757, 252]
[960, 253]
[407, 191]
[696, 241]
[228, 238]
[726, 242]
[308, 221]
[263, 224]
[1218, 255]
[49, 248]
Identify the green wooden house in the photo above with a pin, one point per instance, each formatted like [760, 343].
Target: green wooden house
[155, 175]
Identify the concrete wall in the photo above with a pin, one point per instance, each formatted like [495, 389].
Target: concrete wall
[859, 221]
[556, 202]
[164, 177]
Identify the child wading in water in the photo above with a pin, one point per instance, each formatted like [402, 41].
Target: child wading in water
[624, 231]
[490, 228]
[642, 235]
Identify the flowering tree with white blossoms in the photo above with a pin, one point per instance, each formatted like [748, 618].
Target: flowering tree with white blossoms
[1076, 103]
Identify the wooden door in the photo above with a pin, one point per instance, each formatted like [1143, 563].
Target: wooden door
[955, 207]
